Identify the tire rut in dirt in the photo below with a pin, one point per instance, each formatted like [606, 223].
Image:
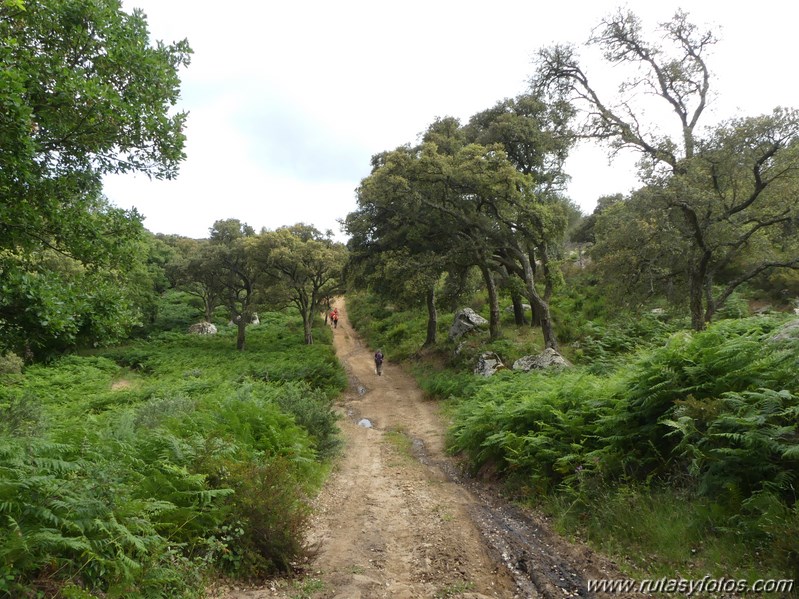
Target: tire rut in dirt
[535, 565]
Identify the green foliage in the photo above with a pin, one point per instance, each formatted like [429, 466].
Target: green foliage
[399, 332]
[537, 429]
[304, 267]
[447, 384]
[10, 363]
[657, 531]
[270, 514]
[49, 303]
[83, 93]
[174, 311]
[713, 413]
[142, 482]
[313, 411]
[603, 348]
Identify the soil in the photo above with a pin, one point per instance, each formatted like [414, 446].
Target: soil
[397, 519]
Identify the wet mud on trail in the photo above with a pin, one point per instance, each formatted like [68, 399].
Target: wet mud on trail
[397, 519]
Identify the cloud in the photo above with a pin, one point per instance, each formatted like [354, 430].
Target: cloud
[287, 141]
[288, 101]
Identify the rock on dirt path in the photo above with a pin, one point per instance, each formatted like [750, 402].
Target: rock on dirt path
[396, 520]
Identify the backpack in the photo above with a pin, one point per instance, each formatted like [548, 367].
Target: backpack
[378, 357]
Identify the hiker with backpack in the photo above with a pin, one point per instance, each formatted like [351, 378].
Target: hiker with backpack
[379, 363]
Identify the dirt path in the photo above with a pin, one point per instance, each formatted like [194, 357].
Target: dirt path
[395, 519]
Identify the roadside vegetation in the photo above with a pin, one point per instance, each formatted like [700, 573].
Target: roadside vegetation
[675, 451]
[147, 468]
[672, 442]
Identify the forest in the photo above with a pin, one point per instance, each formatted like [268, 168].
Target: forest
[137, 459]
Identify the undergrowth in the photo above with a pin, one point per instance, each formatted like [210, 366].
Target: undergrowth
[141, 470]
[677, 450]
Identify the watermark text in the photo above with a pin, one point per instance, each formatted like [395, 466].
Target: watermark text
[690, 587]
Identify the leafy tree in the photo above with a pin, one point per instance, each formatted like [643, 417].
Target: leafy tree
[536, 137]
[190, 271]
[584, 231]
[230, 260]
[474, 203]
[726, 188]
[639, 250]
[82, 94]
[50, 303]
[396, 248]
[304, 267]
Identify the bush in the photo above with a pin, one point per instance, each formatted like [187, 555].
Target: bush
[10, 363]
[313, 411]
[714, 413]
[269, 515]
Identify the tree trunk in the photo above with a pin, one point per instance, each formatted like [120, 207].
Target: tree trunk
[549, 285]
[540, 307]
[306, 308]
[695, 302]
[308, 327]
[535, 316]
[710, 301]
[701, 285]
[518, 310]
[242, 328]
[493, 300]
[208, 306]
[432, 317]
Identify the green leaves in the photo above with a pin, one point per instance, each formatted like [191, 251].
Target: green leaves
[201, 460]
[83, 93]
[721, 406]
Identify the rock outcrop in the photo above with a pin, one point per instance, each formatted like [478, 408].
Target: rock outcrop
[488, 363]
[202, 328]
[787, 332]
[549, 358]
[465, 320]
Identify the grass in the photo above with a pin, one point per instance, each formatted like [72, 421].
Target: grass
[660, 532]
[402, 444]
[306, 588]
[455, 589]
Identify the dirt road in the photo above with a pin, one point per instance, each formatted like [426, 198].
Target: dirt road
[396, 520]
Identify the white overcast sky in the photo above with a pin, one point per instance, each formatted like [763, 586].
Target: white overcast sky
[288, 101]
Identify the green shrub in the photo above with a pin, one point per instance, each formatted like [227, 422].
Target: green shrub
[268, 516]
[715, 414]
[313, 411]
[10, 363]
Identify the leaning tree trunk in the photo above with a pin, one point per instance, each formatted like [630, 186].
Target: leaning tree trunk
[493, 300]
[540, 307]
[432, 317]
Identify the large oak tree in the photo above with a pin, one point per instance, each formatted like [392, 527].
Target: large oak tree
[83, 93]
[724, 190]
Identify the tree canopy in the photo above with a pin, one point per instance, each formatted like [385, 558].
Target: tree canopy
[83, 93]
[722, 190]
